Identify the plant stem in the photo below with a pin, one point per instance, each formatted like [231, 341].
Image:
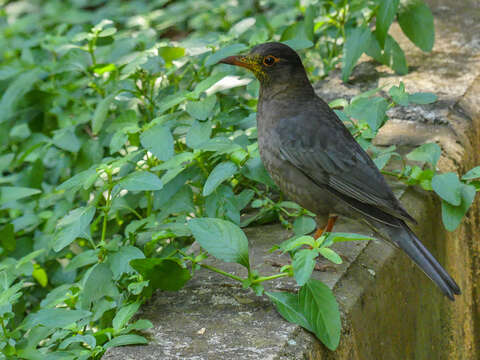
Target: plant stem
[391, 173]
[234, 277]
[149, 203]
[3, 327]
[271, 277]
[91, 50]
[107, 207]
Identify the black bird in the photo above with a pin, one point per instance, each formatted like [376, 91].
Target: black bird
[316, 162]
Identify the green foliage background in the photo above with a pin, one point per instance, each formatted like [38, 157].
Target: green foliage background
[114, 133]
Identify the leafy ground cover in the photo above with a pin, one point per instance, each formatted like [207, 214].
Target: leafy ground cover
[121, 144]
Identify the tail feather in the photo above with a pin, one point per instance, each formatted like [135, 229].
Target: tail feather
[404, 238]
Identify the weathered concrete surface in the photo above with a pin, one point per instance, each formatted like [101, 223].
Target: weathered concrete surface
[214, 318]
[389, 309]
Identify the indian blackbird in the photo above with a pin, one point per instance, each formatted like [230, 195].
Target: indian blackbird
[316, 162]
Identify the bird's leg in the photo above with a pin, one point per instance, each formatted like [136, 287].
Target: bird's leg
[330, 223]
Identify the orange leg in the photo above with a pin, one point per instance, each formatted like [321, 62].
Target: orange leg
[328, 228]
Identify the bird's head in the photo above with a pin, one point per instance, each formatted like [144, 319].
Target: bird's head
[271, 62]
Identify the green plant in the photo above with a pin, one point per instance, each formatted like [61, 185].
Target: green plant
[112, 140]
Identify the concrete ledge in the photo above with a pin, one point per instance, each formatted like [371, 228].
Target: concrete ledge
[390, 310]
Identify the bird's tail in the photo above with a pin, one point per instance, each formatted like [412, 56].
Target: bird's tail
[405, 239]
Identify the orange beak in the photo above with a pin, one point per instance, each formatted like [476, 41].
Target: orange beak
[237, 61]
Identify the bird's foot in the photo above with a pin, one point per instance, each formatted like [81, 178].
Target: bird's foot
[330, 223]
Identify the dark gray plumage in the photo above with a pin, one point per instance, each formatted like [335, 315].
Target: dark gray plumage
[316, 162]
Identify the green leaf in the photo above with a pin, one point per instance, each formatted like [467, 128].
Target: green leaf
[169, 53]
[11, 294]
[394, 56]
[141, 181]
[206, 84]
[255, 170]
[97, 284]
[341, 237]
[164, 274]
[448, 187]
[382, 160]
[5, 161]
[452, 215]
[101, 112]
[290, 205]
[229, 50]
[399, 95]
[100, 69]
[54, 318]
[159, 141]
[16, 91]
[310, 15]
[170, 101]
[124, 315]
[429, 152]
[67, 140]
[138, 325]
[74, 225]
[27, 259]
[198, 134]
[357, 42]
[201, 109]
[385, 15]
[369, 110]
[85, 258]
[88, 339]
[296, 36]
[304, 225]
[20, 132]
[40, 275]
[338, 103]
[118, 140]
[79, 180]
[177, 161]
[298, 43]
[330, 255]
[319, 306]
[296, 242]
[422, 98]
[123, 340]
[416, 21]
[119, 261]
[472, 174]
[219, 174]
[13, 193]
[303, 264]
[288, 306]
[57, 296]
[223, 204]
[219, 144]
[222, 239]
[107, 32]
[7, 238]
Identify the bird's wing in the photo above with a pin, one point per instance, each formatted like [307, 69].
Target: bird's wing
[322, 148]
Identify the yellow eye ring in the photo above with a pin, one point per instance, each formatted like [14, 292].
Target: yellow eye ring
[270, 60]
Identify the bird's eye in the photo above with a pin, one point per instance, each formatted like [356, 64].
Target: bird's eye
[269, 60]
